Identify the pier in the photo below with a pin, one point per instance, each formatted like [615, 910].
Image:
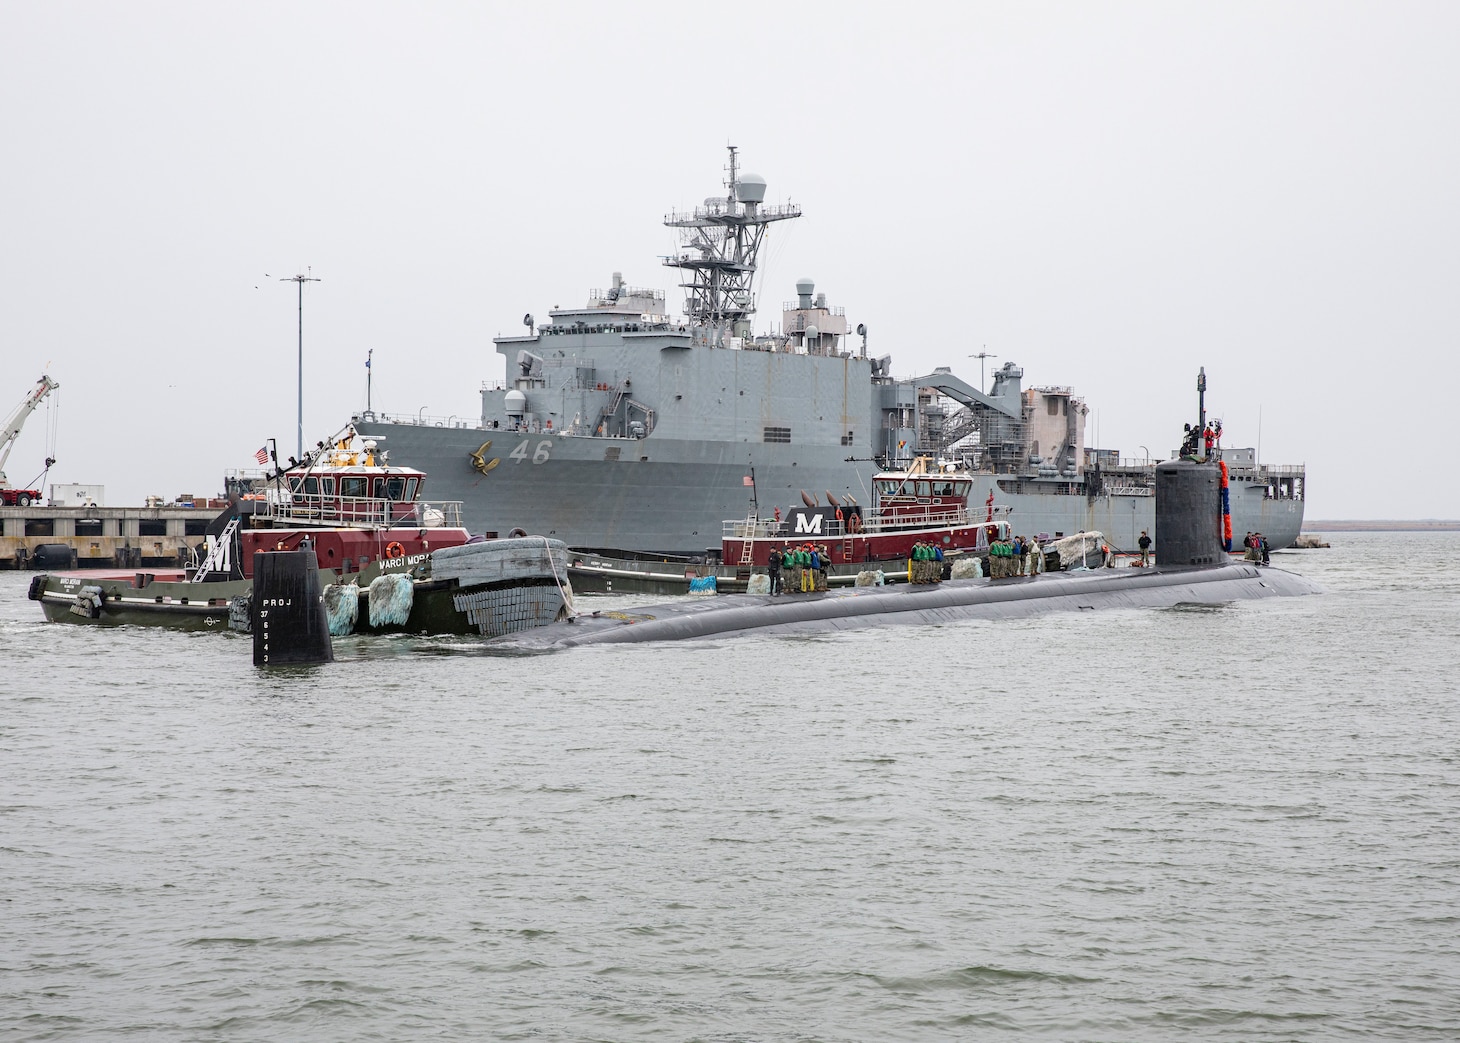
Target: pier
[107, 537]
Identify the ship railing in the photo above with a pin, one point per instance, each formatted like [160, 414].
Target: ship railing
[1132, 463]
[361, 512]
[927, 518]
[421, 420]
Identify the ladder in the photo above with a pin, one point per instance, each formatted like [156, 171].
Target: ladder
[611, 411]
[747, 548]
[220, 555]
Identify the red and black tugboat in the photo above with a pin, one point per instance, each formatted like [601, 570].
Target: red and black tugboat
[379, 547]
[921, 505]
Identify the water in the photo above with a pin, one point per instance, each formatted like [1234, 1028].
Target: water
[1234, 823]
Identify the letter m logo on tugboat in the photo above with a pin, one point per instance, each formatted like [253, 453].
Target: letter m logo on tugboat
[811, 522]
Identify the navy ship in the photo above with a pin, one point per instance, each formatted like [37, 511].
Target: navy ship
[621, 428]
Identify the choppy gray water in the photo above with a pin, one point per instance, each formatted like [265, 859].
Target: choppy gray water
[1236, 823]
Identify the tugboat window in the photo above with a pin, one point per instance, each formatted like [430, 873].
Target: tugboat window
[395, 488]
[354, 487]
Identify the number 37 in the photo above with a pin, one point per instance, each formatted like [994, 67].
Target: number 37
[539, 455]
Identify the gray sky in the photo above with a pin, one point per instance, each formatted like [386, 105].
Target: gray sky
[1110, 195]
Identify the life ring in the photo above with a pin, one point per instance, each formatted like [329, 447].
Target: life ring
[394, 550]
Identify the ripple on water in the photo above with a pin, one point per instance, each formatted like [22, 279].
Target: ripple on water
[1229, 824]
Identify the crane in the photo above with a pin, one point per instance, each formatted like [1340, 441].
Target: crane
[13, 424]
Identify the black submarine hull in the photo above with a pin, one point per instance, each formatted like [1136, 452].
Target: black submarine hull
[950, 601]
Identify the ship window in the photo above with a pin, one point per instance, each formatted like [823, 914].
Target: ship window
[923, 490]
[327, 486]
[311, 486]
[411, 490]
[394, 488]
[355, 487]
[849, 439]
[960, 488]
[777, 434]
[1053, 405]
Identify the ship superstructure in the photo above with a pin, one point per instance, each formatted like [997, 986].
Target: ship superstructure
[619, 427]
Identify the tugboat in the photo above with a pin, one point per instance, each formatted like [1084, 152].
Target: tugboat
[390, 559]
[923, 504]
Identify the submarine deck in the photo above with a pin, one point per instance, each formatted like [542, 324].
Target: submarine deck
[951, 600]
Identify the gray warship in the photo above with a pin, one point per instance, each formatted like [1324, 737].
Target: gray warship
[620, 428]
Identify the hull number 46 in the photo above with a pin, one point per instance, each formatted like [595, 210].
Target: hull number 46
[539, 454]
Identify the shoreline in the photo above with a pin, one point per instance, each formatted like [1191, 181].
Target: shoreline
[1320, 526]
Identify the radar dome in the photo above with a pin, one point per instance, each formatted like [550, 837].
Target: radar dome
[515, 402]
[750, 189]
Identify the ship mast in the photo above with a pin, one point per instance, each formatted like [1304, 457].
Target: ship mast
[719, 244]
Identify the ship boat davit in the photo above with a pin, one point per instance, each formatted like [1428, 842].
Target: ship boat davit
[1194, 569]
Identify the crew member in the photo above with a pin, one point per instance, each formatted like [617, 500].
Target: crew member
[1145, 544]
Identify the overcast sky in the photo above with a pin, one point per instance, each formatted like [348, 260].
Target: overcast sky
[1110, 195]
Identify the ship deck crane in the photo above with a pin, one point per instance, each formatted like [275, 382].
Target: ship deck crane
[13, 424]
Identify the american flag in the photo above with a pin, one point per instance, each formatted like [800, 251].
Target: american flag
[262, 456]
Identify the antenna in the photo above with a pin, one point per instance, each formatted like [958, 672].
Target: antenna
[981, 356]
[719, 248]
[301, 280]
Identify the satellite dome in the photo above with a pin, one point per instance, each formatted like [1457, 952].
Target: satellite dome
[750, 188]
[806, 286]
[515, 403]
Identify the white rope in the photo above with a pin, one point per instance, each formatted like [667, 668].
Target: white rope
[567, 597]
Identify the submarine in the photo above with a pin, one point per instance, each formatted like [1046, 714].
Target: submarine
[1193, 569]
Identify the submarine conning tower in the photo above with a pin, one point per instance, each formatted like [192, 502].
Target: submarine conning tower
[1188, 514]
